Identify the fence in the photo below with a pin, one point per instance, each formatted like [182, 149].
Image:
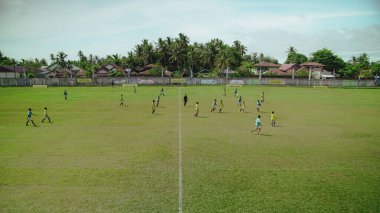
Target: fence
[4, 82]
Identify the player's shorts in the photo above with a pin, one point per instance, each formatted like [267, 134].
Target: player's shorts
[29, 118]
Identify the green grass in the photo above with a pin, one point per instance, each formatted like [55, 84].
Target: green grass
[97, 156]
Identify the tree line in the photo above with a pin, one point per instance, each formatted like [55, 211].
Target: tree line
[199, 59]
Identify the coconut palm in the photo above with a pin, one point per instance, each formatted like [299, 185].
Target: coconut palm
[291, 50]
[223, 59]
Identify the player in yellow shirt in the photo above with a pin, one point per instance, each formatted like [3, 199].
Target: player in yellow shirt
[221, 105]
[273, 118]
[121, 100]
[46, 115]
[153, 106]
[213, 106]
[196, 109]
[242, 107]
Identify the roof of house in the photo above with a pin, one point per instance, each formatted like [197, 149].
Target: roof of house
[108, 67]
[59, 71]
[277, 72]
[266, 64]
[102, 71]
[312, 64]
[55, 66]
[149, 66]
[11, 68]
[285, 67]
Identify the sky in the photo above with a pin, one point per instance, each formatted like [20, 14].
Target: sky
[36, 28]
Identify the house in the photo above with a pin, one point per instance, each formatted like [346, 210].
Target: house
[312, 67]
[265, 67]
[277, 72]
[11, 71]
[289, 69]
[284, 70]
[56, 71]
[106, 70]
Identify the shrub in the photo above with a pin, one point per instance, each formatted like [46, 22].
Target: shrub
[302, 73]
[155, 71]
[30, 75]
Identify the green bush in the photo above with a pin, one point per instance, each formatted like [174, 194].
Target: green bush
[302, 73]
[268, 74]
[116, 73]
[30, 75]
[155, 71]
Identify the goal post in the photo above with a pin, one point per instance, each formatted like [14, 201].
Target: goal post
[40, 86]
[235, 83]
[130, 85]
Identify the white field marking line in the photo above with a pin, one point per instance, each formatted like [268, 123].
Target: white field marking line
[179, 153]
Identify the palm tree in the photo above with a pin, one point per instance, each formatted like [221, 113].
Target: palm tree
[207, 57]
[147, 53]
[255, 58]
[183, 41]
[354, 60]
[223, 59]
[61, 59]
[291, 50]
[43, 62]
[261, 57]
[239, 51]
[176, 54]
[162, 50]
[82, 57]
[116, 59]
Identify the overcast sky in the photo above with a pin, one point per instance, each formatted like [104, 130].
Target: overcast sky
[36, 28]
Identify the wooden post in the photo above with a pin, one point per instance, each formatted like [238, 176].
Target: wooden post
[309, 73]
[293, 73]
[260, 74]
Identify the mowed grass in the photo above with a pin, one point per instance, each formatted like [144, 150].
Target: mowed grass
[324, 156]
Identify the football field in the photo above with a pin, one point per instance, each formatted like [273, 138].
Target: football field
[324, 155]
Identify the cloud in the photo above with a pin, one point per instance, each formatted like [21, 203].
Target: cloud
[37, 28]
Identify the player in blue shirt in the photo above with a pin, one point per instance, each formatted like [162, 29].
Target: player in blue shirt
[29, 118]
[257, 125]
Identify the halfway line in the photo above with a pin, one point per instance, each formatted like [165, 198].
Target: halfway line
[179, 153]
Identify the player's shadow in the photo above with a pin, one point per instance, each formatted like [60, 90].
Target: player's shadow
[266, 135]
[202, 117]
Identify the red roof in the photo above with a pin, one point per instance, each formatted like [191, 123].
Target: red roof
[286, 67]
[266, 64]
[277, 72]
[106, 68]
[11, 68]
[311, 64]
